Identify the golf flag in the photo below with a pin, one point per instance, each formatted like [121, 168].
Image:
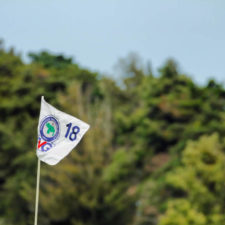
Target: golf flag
[58, 133]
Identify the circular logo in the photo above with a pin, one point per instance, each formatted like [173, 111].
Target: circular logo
[49, 129]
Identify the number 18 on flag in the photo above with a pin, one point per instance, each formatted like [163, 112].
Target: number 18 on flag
[58, 133]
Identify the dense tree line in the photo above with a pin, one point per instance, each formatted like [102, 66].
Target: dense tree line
[155, 153]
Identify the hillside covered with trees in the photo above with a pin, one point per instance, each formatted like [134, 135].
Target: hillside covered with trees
[154, 155]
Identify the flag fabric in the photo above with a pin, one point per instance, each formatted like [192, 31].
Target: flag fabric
[58, 133]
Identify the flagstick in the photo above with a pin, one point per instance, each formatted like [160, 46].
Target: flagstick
[37, 192]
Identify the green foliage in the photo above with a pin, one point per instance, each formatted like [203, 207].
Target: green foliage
[155, 153]
[48, 60]
[200, 179]
[182, 212]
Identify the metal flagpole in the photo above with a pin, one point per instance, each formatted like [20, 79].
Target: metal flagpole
[37, 192]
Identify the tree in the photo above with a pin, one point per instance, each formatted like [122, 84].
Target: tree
[197, 185]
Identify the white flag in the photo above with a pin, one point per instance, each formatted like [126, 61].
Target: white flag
[58, 133]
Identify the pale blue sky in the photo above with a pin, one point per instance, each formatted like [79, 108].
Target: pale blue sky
[98, 33]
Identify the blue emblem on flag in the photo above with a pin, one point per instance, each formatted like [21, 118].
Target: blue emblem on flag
[49, 129]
